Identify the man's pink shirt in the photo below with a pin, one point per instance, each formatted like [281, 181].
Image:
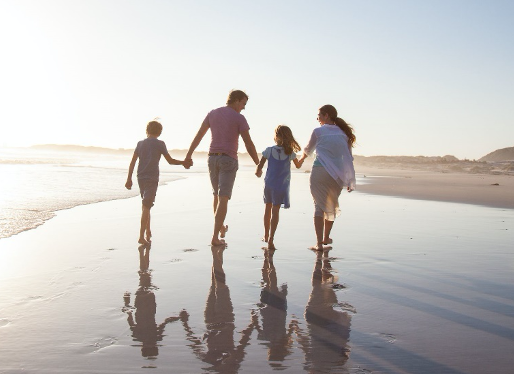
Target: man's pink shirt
[226, 124]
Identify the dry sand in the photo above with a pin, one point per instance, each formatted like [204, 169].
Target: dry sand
[410, 286]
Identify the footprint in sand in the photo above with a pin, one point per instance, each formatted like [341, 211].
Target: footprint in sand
[190, 250]
[4, 322]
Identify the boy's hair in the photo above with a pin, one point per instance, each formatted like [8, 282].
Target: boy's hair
[154, 128]
[236, 95]
[284, 137]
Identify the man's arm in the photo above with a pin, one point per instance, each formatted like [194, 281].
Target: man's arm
[250, 147]
[172, 161]
[198, 138]
[128, 184]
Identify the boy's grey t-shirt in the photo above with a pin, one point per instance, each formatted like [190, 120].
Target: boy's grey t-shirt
[149, 152]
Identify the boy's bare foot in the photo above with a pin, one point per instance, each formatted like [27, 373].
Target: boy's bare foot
[217, 242]
[223, 230]
[327, 241]
[142, 241]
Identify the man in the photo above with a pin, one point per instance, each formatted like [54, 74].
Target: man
[226, 124]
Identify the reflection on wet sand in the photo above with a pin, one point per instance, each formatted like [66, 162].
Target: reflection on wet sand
[141, 316]
[326, 342]
[221, 352]
[273, 312]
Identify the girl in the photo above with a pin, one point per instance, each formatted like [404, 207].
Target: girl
[278, 177]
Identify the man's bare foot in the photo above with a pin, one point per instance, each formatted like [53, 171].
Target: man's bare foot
[327, 241]
[223, 230]
[320, 247]
[217, 242]
[142, 241]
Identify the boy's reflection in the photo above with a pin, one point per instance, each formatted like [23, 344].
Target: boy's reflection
[273, 311]
[222, 352]
[326, 345]
[144, 328]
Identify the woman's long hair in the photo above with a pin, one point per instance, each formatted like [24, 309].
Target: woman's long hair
[341, 123]
[284, 137]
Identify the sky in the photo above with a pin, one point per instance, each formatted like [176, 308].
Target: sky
[427, 78]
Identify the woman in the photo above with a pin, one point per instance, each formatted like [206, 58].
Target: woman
[332, 169]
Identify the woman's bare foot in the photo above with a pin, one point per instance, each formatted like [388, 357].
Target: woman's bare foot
[327, 241]
[223, 230]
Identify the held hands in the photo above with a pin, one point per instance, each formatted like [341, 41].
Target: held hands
[258, 172]
[187, 163]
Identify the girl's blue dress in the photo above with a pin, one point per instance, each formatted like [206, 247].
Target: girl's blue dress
[278, 176]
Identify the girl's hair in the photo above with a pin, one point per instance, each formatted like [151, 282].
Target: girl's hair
[284, 137]
[341, 123]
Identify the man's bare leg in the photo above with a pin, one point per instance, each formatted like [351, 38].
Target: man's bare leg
[219, 218]
[145, 217]
[224, 228]
[267, 219]
[273, 225]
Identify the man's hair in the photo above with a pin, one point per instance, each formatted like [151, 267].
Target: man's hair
[236, 95]
[154, 128]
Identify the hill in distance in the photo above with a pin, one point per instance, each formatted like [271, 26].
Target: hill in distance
[504, 154]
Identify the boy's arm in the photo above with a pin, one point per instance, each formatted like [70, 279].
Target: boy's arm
[186, 163]
[258, 171]
[196, 141]
[250, 147]
[128, 184]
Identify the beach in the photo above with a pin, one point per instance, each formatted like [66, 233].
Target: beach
[418, 280]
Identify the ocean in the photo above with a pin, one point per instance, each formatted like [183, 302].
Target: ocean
[37, 182]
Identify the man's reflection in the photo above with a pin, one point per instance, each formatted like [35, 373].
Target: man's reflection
[326, 346]
[273, 311]
[141, 317]
[222, 353]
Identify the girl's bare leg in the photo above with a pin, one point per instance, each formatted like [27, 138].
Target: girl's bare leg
[273, 225]
[267, 219]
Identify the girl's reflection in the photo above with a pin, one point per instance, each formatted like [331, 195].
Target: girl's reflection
[326, 344]
[273, 311]
[144, 328]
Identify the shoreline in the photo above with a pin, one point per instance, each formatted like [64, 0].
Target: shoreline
[495, 191]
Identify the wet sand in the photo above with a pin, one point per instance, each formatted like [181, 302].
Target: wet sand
[410, 286]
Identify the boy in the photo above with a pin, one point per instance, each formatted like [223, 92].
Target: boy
[149, 152]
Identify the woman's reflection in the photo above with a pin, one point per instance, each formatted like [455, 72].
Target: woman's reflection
[326, 344]
[222, 353]
[141, 317]
[273, 311]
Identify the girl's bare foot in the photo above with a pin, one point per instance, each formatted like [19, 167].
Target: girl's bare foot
[217, 242]
[223, 230]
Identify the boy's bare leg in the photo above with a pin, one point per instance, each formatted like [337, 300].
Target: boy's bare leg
[328, 228]
[273, 225]
[148, 231]
[267, 219]
[145, 216]
[219, 217]
[224, 228]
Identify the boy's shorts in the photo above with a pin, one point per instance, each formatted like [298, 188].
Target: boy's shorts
[148, 190]
[222, 170]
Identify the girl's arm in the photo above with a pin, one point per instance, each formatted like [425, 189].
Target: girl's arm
[258, 171]
[298, 162]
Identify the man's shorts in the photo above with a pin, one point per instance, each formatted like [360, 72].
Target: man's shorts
[222, 170]
[148, 190]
